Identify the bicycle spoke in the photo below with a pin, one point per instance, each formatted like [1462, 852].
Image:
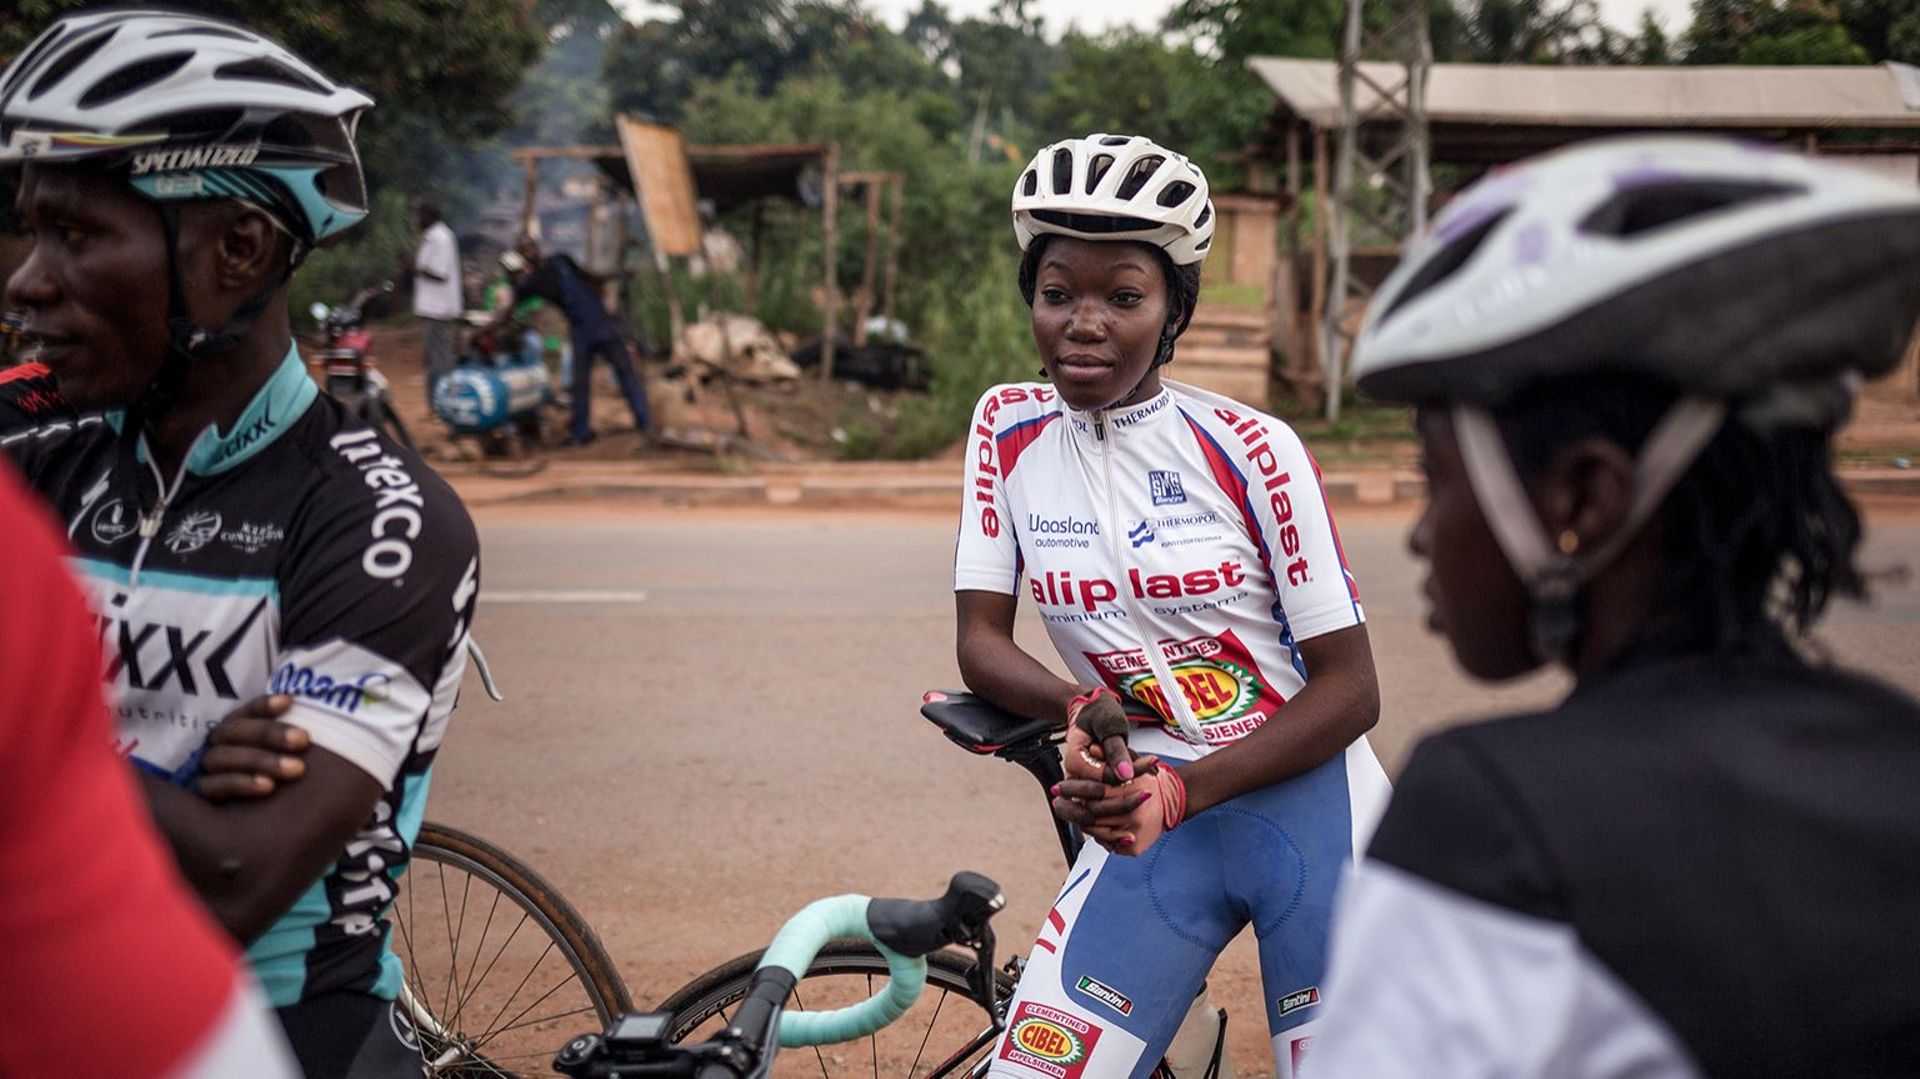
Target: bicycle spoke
[924, 1038]
[467, 986]
[446, 912]
[474, 986]
[515, 1021]
[584, 1009]
[453, 968]
[818, 1056]
[524, 979]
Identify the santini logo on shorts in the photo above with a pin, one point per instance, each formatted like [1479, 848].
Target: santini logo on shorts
[1305, 998]
[1105, 994]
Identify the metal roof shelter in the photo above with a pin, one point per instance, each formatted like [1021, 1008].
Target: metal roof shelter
[1486, 114]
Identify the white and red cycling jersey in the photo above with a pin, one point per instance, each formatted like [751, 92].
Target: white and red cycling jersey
[1188, 520]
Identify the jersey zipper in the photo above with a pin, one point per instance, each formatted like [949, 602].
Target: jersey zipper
[1170, 690]
[151, 521]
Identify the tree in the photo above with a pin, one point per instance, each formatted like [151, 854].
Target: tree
[1767, 32]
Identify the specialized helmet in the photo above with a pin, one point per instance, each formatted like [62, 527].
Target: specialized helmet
[1759, 284]
[1722, 268]
[1115, 187]
[197, 108]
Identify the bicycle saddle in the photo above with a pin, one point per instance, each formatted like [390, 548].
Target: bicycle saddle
[978, 726]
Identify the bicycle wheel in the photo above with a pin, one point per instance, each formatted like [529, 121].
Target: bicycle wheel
[500, 969]
[945, 1034]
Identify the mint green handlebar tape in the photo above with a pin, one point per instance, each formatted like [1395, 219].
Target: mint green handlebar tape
[803, 936]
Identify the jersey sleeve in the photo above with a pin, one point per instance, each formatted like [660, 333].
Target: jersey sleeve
[1450, 954]
[101, 932]
[376, 612]
[986, 557]
[33, 416]
[1263, 463]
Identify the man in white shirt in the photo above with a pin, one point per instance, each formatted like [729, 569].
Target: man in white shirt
[436, 291]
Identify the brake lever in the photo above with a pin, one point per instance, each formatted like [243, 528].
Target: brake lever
[981, 978]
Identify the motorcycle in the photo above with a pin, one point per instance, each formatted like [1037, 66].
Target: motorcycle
[497, 394]
[347, 368]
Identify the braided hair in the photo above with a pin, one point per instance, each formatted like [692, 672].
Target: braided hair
[1756, 538]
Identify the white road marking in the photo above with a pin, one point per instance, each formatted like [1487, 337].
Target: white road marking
[547, 595]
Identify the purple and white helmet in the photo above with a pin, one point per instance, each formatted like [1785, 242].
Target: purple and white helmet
[1718, 266]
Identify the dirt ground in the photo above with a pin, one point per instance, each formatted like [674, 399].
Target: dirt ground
[792, 421]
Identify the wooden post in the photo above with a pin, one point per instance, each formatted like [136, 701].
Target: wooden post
[753, 258]
[593, 227]
[888, 287]
[863, 301]
[1317, 306]
[830, 236]
[527, 198]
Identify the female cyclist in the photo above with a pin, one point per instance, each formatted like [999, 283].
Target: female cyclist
[1178, 548]
[1628, 359]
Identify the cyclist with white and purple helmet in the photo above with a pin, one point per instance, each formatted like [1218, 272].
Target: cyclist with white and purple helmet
[1628, 360]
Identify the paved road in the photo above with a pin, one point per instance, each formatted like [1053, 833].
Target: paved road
[711, 717]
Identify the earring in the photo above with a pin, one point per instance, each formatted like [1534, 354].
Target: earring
[1569, 542]
[1042, 372]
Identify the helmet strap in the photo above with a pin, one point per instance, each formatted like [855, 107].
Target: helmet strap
[1553, 578]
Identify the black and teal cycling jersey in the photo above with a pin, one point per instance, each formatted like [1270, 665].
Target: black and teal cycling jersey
[299, 552]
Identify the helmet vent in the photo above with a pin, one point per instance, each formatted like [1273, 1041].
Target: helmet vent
[1641, 210]
[133, 78]
[1115, 140]
[1098, 169]
[1030, 183]
[209, 125]
[1139, 174]
[203, 31]
[1098, 224]
[266, 69]
[1062, 171]
[1176, 193]
[1447, 262]
[1206, 215]
[26, 63]
[64, 66]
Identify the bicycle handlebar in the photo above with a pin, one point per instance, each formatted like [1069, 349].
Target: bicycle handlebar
[905, 931]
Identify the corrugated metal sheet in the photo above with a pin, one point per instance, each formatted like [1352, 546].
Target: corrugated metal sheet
[1887, 95]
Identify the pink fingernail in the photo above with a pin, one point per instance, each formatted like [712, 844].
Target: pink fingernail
[1144, 798]
[1055, 789]
[1126, 770]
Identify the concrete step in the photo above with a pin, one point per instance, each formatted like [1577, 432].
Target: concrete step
[1256, 318]
[1199, 355]
[1230, 336]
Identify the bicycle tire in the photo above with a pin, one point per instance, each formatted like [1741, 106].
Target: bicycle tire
[453, 1041]
[718, 990]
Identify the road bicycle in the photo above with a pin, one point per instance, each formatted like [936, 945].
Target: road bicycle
[905, 932]
[935, 1043]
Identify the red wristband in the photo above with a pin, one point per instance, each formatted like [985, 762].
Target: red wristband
[1173, 809]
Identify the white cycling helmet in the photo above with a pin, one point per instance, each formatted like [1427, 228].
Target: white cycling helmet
[1720, 267]
[1759, 284]
[1115, 187]
[197, 108]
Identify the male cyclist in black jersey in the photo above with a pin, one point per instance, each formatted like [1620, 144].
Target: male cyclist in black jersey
[1628, 359]
[242, 539]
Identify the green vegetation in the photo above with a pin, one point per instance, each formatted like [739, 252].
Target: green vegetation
[957, 103]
